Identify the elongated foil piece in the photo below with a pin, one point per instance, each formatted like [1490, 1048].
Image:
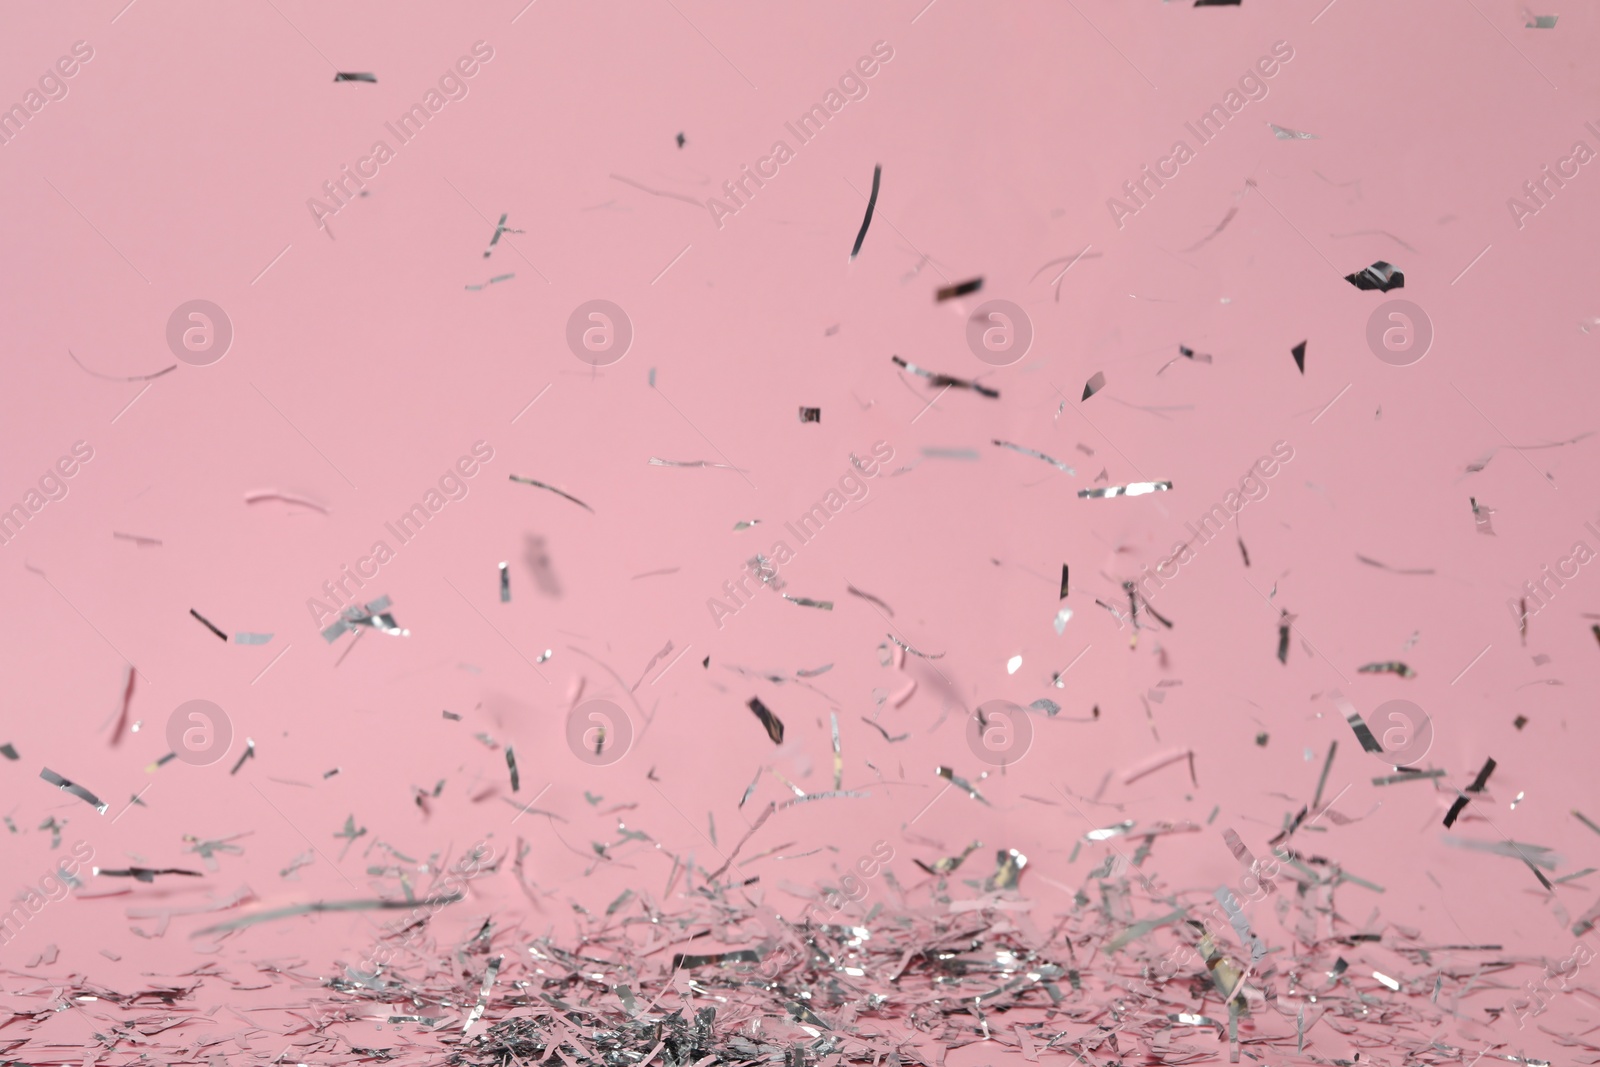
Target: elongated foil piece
[553, 489]
[935, 378]
[1353, 717]
[1131, 489]
[76, 790]
[1056, 463]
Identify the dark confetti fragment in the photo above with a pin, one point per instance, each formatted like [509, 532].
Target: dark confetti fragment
[553, 489]
[946, 380]
[872, 203]
[773, 724]
[207, 623]
[950, 292]
[1380, 276]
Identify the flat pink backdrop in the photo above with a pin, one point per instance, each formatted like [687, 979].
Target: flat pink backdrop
[179, 166]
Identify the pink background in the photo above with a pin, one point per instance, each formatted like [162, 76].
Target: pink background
[179, 166]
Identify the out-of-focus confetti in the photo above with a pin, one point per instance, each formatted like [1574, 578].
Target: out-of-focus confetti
[1056, 463]
[256, 496]
[1096, 382]
[810, 414]
[950, 292]
[1284, 133]
[1390, 667]
[342, 76]
[1481, 517]
[76, 790]
[374, 614]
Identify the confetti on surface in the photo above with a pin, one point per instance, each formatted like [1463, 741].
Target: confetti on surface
[342, 76]
[1096, 382]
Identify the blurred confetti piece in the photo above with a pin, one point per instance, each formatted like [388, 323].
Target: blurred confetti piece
[1131, 489]
[936, 379]
[1096, 382]
[946, 864]
[251, 639]
[1542, 22]
[1056, 463]
[505, 584]
[1299, 353]
[766, 813]
[256, 496]
[9, 752]
[853, 591]
[656, 462]
[499, 229]
[321, 907]
[1353, 717]
[497, 279]
[1283, 133]
[70, 787]
[114, 378]
[1389, 667]
[342, 76]
[811, 415]
[950, 292]
[773, 724]
[1008, 871]
[914, 652]
[135, 538]
[807, 602]
[1481, 517]
[949, 775]
[374, 615]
